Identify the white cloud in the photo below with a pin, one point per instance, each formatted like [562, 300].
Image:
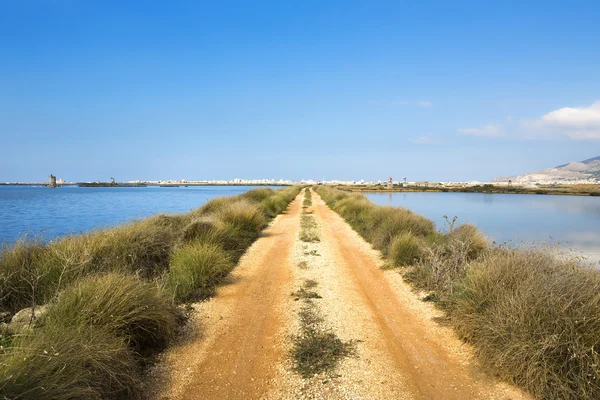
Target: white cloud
[489, 130]
[425, 140]
[572, 122]
[422, 103]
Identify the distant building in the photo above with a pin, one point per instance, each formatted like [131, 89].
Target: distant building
[52, 181]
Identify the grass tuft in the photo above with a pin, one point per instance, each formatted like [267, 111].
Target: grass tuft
[86, 362]
[471, 237]
[405, 249]
[533, 319]
[316, 349]
[133, 309]
[196, 269]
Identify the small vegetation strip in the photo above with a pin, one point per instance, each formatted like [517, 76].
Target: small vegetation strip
[87, 312]
[309, 230]
[532, 317]
[316, 349]
[307, 198]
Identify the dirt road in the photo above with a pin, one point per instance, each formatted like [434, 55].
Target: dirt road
[241, 341]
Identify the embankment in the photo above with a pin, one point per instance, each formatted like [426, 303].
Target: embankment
[86, 313]
[532, 318]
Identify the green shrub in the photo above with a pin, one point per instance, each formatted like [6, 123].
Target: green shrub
[214, 205]
[440, 267]
[356, 210]
[136, 310]
[405, 249]
[23, 275]
[243, 215]
[258, 195]
[172, 222]
[471, 237]
[386, 222]
[196, 269]
[141, 247]
[206, 230]
[533, 319]
[274, 205]
[69, 363]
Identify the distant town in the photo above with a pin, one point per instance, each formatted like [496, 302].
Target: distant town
[388, 183]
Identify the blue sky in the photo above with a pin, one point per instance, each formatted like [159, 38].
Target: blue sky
[296, 89]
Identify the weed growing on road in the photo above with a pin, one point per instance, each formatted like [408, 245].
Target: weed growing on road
[305, 292]
[303, 265]
[310, 283]
[307, 198]
[309, 229]
[317, 349]
[312, 253]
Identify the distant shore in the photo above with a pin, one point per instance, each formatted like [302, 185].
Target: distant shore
[140, 184]
[564, 190]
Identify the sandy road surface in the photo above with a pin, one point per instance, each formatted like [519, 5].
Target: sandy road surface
[234, 346]
[399, 331]
[241, 341]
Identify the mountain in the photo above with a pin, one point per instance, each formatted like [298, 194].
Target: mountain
[586, 171]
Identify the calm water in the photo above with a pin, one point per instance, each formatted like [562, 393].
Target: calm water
[571, 221]
[52, 212]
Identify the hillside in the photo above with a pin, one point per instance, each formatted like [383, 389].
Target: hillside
[586, 171]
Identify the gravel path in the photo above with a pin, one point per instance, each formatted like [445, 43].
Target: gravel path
[240, 341]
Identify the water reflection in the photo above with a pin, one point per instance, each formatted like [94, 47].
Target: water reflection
[572, 222]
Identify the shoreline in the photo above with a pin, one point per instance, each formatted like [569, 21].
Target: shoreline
[592, 190]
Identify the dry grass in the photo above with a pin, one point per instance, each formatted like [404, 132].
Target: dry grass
[196, 269]
[258, 195]
[309, 230]
[307, 198]
[139, 312]
[406, 249]
[471, 238]
[440, 268]
[85, 362]
[244, 215]
[384, 223]
[534, 319]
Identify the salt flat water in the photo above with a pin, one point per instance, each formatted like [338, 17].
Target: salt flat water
[51, 212]
[573, 222]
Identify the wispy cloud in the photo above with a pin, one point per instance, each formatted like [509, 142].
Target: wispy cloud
[425, 140]
[489, 130]
[422, 103]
